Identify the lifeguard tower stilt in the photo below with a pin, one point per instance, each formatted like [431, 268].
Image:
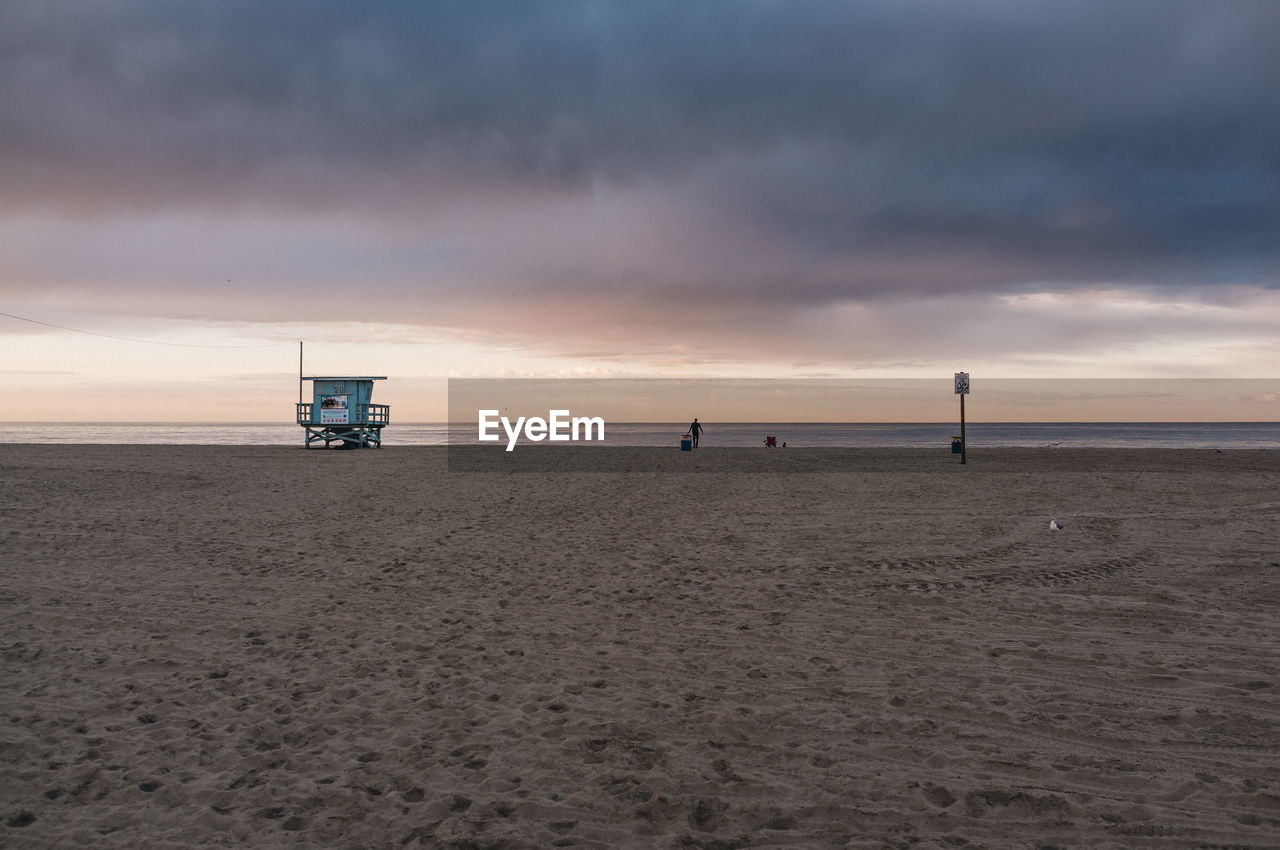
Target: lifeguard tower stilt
[341, 412]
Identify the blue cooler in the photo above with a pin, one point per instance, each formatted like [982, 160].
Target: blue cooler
[956, 446]
[686, 443]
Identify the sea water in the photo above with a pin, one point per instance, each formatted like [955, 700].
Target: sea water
[1170, 435]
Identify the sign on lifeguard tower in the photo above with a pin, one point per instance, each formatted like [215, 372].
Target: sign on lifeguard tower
[342, 411]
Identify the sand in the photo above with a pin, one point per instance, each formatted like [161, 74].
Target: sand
[804, 648]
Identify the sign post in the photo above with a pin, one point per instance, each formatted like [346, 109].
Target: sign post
[962, 390]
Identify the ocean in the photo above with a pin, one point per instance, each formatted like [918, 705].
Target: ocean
[1169, 435]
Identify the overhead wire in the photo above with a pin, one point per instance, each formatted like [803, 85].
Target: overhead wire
[144, 341]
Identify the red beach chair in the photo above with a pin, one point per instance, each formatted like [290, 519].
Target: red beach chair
[771, 442]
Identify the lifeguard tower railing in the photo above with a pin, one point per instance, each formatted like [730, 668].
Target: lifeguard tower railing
[363, 431]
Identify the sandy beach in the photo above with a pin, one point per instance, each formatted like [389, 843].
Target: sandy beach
[736, 648]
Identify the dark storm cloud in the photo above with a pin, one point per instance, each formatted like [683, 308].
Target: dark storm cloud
[877, 148]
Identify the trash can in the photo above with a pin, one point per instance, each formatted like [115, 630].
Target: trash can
[957, 446]
[686, 443]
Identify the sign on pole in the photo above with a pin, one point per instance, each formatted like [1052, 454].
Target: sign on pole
[962, 390]
[962, 383]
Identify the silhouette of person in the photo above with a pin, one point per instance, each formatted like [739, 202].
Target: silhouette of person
[695, 428]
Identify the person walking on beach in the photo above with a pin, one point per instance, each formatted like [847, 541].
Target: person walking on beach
[694, 430]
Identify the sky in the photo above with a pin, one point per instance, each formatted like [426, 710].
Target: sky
[738, 189]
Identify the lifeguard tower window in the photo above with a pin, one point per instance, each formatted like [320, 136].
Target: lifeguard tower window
[342, 412]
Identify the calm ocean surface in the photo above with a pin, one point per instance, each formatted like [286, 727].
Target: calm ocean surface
[1176, 435]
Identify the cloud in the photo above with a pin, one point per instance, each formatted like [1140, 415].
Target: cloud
[34, 373]
[729, 172]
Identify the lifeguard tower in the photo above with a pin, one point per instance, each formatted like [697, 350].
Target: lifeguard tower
[341, 411]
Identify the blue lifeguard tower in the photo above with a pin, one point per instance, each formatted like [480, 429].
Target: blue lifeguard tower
[341, 411]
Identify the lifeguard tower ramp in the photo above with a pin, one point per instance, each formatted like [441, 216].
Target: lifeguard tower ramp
[342, 412]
